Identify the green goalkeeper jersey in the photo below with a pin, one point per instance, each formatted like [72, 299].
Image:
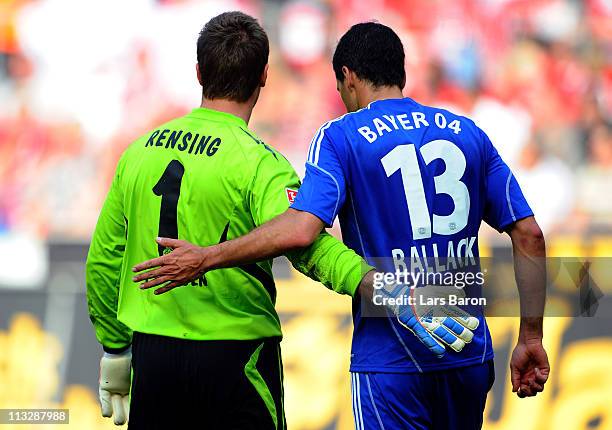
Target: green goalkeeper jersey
[204, 178]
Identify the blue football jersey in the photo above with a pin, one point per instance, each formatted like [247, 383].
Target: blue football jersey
[409, 183]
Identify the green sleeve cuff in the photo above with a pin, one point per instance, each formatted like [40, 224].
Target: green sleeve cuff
[355, 276]
[332, 263]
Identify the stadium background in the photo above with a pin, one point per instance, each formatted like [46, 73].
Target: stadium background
[80, 79]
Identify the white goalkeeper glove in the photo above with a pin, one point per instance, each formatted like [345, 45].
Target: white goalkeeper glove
[114, 388]
[434, 325]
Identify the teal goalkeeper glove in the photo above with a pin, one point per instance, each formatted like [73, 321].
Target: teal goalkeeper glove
[433, 324]
[114, 387]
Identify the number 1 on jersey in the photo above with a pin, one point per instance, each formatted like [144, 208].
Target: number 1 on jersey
[169, 189]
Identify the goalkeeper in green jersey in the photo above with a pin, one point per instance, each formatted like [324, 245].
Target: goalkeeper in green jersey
[207, 355]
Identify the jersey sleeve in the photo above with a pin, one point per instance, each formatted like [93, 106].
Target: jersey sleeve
[332, 263]
[327, 260]
[273, 186]
[103, 271]
[323, 191]
[505, 203]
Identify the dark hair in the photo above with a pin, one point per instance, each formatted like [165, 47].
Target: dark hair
[232, 54]
[374, 52]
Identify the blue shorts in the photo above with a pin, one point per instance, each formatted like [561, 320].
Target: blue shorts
[452, 399]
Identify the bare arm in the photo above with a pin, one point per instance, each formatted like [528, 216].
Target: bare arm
[529, 364]
[529, 251]
[290, 230]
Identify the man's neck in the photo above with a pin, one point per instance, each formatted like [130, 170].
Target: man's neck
[371, 94]
[241, 110]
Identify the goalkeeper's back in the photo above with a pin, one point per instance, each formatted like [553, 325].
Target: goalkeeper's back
[202, 178]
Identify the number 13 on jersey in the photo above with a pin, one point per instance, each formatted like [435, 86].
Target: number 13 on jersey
[404, 159]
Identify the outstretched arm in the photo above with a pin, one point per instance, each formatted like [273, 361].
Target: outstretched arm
[317, 255]
[289, 231]
[529, 363]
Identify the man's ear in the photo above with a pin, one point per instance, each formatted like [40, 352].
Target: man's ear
[264, 77]
[349, 77]
[199, 74]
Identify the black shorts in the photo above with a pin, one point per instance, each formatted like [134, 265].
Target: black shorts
[226, 384]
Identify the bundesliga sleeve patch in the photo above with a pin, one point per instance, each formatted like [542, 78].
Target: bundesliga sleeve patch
[291, 195]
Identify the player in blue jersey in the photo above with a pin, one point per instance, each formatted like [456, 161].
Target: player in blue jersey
[411, 185]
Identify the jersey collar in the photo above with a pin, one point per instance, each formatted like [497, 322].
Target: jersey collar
[372, 103]
[216, 115]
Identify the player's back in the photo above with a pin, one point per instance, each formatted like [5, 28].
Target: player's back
[417, 174]
[190, 179]
[419, 181]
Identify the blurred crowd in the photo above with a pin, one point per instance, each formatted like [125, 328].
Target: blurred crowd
[80, 80]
